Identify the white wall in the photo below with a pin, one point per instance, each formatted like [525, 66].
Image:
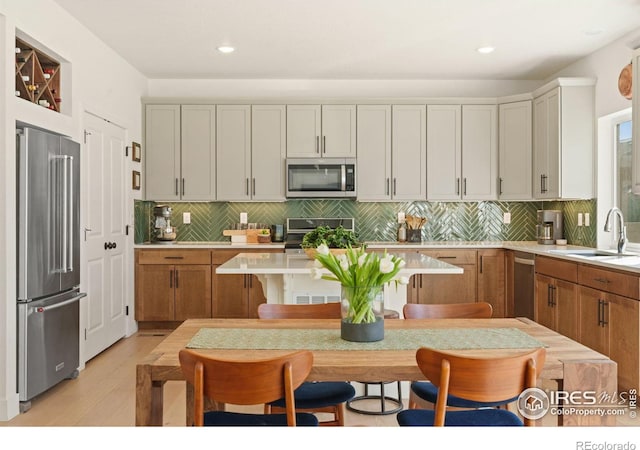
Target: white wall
[101, 83]
[605, 65]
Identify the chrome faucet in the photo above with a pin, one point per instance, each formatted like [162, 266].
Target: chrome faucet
[622, 229]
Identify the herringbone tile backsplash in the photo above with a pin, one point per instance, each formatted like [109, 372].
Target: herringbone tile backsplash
[455, 221]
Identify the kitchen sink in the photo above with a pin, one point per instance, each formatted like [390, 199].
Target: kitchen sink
[611, 257]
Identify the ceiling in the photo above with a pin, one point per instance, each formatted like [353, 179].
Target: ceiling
[355, 39]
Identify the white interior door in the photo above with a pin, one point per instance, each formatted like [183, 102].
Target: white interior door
[104, 222]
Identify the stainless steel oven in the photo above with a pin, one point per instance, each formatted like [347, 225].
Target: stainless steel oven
[321, 177]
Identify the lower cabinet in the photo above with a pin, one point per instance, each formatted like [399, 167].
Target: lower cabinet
[556, 296]
[610, 320]
[172, 285]
[454, 288]
[236, 296]
[492, 280]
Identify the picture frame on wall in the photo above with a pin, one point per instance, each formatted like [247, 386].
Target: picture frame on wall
[135, 183]
[136, 152]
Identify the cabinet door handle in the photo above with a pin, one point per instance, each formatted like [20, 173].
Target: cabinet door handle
[174, 257]
[387, 192]
[246, 186]
[171, 279]
[253, 186]
[394, 186]
[176, 278]
[317, 144]
[457, 186]
[599, 312]
[481, 263]
[499, 186]
[464, 192]
[176, 186]
[605, 308]
[601, 280]
[183, 186]
[553, 296]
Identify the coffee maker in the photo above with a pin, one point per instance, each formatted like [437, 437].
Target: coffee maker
[549, 227]
[164, 232]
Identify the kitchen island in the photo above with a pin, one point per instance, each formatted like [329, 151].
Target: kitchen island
[286, 278]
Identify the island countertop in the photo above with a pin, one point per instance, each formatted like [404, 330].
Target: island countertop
[300, 264]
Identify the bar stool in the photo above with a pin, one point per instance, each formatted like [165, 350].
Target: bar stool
[384, 399]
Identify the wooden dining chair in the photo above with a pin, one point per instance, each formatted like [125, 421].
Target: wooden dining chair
[247, 382]
[480, 379]
[312, 397]
[425, 390]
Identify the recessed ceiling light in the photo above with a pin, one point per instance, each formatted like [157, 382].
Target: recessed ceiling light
[485, 49]
[225, 49]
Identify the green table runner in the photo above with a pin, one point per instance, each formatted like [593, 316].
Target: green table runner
[323, 339]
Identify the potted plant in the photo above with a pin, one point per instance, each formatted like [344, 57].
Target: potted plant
[362, 276]
[338, 240]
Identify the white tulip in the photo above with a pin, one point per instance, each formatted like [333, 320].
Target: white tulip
[403, 280]
[323, 249]
[344, 264]
[316, 274]
[402, 263]
[386, 265]
[361, 259]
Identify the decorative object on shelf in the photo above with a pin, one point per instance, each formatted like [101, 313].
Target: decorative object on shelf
[337, 239]
[135, 184]
[264, 236]
[136, 152]
[624, 81]
[37, 76]
[363, 277]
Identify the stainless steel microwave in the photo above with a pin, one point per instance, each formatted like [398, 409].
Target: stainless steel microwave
[321, 177]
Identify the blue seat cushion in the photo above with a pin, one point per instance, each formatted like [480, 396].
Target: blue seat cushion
[232, 419]
[429, 392]
[311, 395]
[470, 418]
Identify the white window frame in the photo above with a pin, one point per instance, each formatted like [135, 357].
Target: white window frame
[607, 177]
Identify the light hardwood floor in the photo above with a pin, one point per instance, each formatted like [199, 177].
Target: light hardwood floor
[104, 394]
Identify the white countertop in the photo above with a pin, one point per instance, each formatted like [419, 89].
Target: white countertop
[628, 264]
[282, 263]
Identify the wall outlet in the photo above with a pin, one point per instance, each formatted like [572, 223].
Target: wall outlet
[186, 218]
[587, 219]
[506, 218]
[579, 219]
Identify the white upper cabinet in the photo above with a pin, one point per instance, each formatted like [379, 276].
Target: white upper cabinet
[268, 152]
[374, 152]
[479, 152]
[563, 140]
[198, 156]
[251, 151]
[409, 152]
[234, 152]
[514, 148]
[326, 131]
[180, 152]
[462, 152]
[444, 152]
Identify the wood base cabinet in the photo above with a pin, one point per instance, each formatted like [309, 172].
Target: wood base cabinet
[610, 319]
[236, 296]
[556, 296]
[491, 280]
[446, 288]
[172, 285]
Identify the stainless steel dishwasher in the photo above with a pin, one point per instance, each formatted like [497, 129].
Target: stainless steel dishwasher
[523, 284]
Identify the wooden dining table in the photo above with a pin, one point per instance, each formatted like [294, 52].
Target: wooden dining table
[571, 366]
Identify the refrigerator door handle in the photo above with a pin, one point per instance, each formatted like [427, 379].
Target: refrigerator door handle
[67, 214]
[41, 309]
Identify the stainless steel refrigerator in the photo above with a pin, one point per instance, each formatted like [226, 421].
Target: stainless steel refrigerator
[48, 262]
